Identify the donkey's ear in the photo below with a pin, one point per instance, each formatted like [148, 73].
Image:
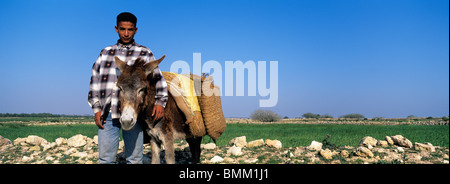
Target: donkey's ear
[152, 65]
[120, 64]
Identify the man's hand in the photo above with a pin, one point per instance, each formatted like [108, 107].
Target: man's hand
[99, 119]
[158, 112]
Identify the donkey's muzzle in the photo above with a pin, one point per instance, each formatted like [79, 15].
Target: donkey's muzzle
[128, 118]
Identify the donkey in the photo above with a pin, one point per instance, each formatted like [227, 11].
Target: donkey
[137, 98]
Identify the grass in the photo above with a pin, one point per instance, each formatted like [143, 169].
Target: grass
[50, 132]
[291, 135]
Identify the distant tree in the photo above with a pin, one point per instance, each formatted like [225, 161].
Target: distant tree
[311, 115]
[353, 116]
[445, 118]
[40, 115]
[411, 116]
[265, 116]
[30, 115]
[326, 116]
[378, 118]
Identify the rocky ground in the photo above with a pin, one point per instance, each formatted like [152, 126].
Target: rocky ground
[80, 149]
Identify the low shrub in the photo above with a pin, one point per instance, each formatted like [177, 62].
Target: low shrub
[265, 116]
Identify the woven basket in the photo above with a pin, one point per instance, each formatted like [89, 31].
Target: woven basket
[211, 108]
[196, 126]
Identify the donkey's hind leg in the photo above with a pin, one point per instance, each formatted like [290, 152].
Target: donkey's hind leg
[194, 145]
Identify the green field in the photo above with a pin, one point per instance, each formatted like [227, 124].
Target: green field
[291, 135]
[49, 132]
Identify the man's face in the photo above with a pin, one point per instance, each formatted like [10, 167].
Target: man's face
[126, 31]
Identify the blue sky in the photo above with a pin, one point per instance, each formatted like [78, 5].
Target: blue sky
[379, 58]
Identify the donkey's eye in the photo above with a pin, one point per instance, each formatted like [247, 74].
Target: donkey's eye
[142, 90]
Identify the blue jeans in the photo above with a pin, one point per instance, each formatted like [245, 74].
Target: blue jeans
[108, 142]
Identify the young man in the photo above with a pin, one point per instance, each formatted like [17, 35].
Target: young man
[104, 94]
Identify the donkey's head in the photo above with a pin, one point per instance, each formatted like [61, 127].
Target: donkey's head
[134, 88]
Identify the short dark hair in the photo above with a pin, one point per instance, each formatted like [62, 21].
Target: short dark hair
[126, 17]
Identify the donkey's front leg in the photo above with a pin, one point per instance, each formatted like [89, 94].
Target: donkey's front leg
[170, 151]
[156, 149]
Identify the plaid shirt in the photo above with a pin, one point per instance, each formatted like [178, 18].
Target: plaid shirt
[103, 92]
